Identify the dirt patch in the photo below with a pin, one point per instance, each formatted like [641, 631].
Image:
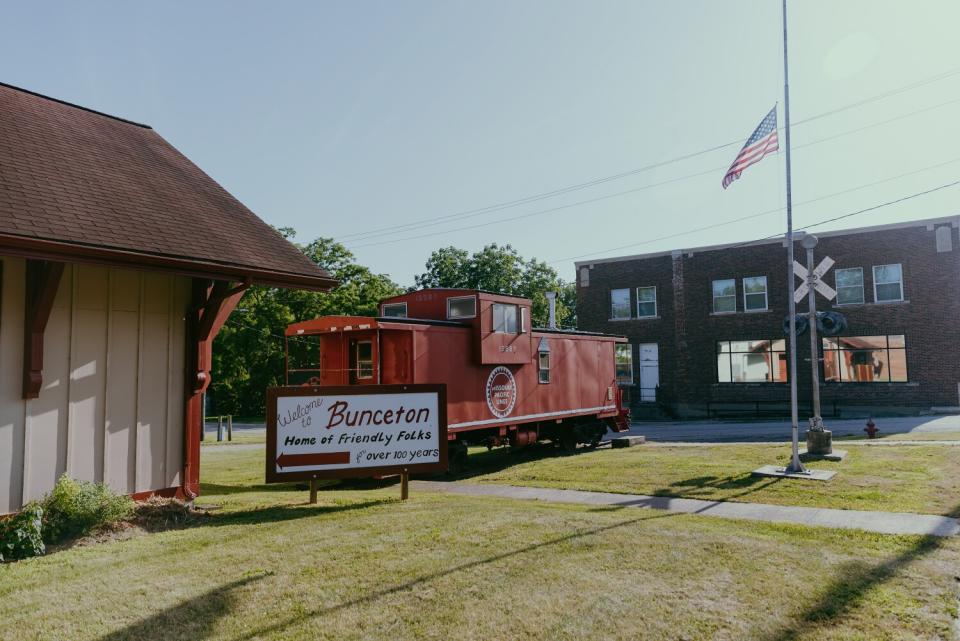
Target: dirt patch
[153, 515]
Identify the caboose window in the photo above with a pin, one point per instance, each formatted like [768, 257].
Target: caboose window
[461, 307]
[505, 318]
[544, 361]
[364, 359]
[395, 310]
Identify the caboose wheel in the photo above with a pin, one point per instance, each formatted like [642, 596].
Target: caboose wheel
[596, 435]
[567, 442]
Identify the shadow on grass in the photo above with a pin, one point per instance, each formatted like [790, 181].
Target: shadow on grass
[282, 625]
[845, 593]
[501, 458]
[194, 618]
[855, 580]
[217, 489]
[699, 485]
[280, 513]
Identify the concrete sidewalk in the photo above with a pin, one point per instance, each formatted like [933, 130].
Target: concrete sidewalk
[880, 522]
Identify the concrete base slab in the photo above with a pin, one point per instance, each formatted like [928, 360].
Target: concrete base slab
[778, 471]
[628, 441]
[835, 455]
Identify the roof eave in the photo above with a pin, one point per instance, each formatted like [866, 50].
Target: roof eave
[69, 252]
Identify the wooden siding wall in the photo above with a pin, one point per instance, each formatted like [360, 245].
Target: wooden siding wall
[111, 407]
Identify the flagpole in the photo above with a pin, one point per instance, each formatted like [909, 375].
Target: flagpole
[795, 465]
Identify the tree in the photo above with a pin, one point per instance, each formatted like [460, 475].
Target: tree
[502, 269]
[248, 353]
[446, 267]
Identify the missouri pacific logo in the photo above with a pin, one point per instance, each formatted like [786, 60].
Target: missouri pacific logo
[501, 392]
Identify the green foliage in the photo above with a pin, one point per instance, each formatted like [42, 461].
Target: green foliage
[20, 535]
[502, 269]
[248, 352]
[75, 508]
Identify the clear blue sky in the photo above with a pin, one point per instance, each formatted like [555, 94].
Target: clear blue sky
[343, 117]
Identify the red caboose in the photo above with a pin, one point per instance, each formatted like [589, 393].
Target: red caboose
[506, 381]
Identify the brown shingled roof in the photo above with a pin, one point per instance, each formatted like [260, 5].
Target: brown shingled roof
[76, 184]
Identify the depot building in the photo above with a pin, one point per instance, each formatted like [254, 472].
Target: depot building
[119, 262]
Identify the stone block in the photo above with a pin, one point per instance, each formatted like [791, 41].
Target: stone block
[628, 441]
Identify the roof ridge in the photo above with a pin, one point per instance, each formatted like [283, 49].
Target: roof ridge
[75, 106]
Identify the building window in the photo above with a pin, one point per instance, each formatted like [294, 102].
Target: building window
[887, 283]
[394, 310]
[724, 296]
[849, 286]
[646, 302]
[758, 361]
[584, 277]
[364, 359]
[865, 359]
[623, 357]
[462, 307]
[619, 303]
[755, 293]
[543, 360]
[944, 239]
[505, 318]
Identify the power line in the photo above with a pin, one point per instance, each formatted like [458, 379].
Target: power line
[757, 215]
[854, 213]
[372, 233]
[643, 187]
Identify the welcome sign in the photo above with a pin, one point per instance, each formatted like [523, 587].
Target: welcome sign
[342, 432]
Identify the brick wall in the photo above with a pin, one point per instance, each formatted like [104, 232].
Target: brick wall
[686, 328]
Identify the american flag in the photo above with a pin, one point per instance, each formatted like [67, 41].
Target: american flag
[761, 142]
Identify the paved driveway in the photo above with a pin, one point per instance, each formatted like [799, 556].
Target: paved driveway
[714, 431]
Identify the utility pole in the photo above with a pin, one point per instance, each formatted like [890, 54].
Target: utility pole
[816, 421]
[795, 466]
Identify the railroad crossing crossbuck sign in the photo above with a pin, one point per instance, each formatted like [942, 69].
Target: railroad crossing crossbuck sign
[815, 279]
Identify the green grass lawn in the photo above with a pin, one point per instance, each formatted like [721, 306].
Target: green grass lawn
[362, 565]
[891, 478]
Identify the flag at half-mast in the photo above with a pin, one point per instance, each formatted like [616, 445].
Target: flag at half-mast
[761, 142]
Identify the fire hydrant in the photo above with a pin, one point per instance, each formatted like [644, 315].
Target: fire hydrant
[871, 428]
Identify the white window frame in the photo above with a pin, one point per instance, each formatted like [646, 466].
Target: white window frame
[370, 361]
[383, 309]
[836, 283]
[889, 300]
[654, 301]
[541, 370]
[766, 299]
[714, 296]
[456, 298]
[620, 289]
[518, 317]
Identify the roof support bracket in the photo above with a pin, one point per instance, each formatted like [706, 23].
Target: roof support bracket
[217, 302]
[43, 279]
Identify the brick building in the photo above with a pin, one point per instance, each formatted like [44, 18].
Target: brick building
[706, 324]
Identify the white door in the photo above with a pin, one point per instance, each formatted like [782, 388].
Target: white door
[649, 371]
